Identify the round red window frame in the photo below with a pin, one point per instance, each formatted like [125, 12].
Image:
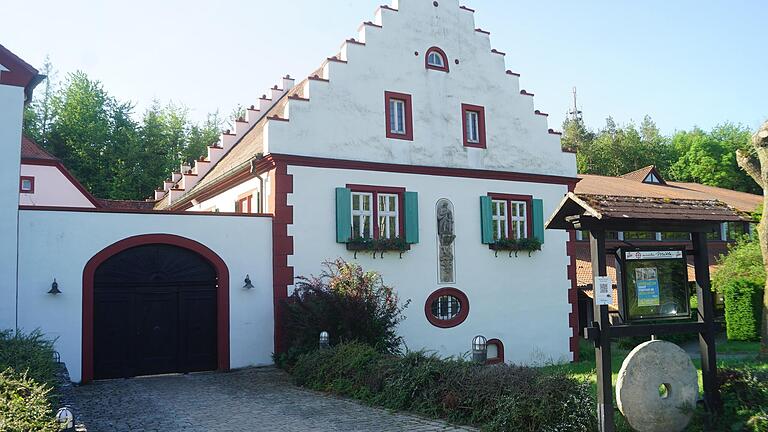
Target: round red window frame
[455, 321]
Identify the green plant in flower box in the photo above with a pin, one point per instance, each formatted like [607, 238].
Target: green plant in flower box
[368, 244]
[529, 245]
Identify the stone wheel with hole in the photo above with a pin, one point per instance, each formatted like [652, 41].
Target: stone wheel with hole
[658, 387]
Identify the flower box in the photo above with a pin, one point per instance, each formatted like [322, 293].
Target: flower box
[516, 245]
[378, 246]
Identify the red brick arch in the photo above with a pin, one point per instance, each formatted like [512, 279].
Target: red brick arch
[222, 331]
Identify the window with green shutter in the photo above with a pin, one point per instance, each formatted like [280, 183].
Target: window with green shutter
[343, 215]
[376, 213]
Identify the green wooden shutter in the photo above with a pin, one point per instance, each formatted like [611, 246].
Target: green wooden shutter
[538, 219]
[486, 220]
[411, 217]
[343, 215]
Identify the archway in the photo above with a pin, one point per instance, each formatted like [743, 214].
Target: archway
[154, 303]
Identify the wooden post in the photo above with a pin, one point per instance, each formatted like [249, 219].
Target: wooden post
[706, 315]
[603, 349]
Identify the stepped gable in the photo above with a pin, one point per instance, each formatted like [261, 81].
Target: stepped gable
[240, 148]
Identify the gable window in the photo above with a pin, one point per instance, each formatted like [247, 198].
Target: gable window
[27, 185]
[376, 212]
[651, 178]
[399, 116]
[436, 59]
[473, 121]
[510, 216]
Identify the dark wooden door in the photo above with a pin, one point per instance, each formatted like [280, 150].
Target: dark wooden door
[155, 312]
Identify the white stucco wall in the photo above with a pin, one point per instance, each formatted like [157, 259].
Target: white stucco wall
[11, 109]
[52, 188]
[522, 301]
[57, 244]
[344, 118]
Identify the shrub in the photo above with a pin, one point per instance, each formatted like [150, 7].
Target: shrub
[498, 398]
[745, 402]
[743, 303]
[24, 404]
[349, 303]
[30, 353]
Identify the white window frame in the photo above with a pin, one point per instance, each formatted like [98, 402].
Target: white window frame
[448, 313]
[361, 213]
[397, 121]
[500, 220]
[31, 185]
[388, 213]
[473, 126]
[522, 220]
[440, 63]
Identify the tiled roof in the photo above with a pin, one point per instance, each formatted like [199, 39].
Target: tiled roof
[642, 174]
[651, 208]
[126, 204]
[30, 150]
[622, 186]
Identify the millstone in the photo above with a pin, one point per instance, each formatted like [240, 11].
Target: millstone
[658, 387]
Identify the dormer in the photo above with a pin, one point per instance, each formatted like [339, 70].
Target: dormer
[647, 175]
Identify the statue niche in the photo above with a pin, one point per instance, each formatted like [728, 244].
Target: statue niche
[446, 237]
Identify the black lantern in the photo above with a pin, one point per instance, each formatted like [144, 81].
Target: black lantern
[54, 288]
[479, 349]
[325, 340]
[248, 284]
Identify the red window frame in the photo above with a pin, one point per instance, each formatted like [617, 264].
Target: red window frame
[465, 108]
[442, 54]
[31, 180]
[408, 100]
[376, 190]
[455, 321]
[528, 199]
[499, 348]
[244, 204]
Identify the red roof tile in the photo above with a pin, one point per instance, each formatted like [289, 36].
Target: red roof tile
[30, 150]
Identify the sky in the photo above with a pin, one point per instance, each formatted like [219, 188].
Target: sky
[686, 63]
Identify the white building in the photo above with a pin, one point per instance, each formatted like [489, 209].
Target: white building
[414, 135]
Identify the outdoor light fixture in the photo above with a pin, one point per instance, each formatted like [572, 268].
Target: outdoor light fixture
[65, 419]
[479, 349]
[54, 288]
[248, 284]
[325, 340]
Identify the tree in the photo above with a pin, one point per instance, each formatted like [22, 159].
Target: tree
[38, 114]
[575, 134]
[754, 161]
[710, 158]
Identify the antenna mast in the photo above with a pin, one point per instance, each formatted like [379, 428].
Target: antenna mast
[575, 114]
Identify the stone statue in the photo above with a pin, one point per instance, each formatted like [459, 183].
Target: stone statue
[446, 237]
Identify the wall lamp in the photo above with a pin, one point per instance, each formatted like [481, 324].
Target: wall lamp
[480, 349]
[54, 288]
[248, 285]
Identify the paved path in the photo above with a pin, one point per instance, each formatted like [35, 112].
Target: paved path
[259, 399]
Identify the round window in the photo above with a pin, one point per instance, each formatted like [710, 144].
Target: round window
[446, 307]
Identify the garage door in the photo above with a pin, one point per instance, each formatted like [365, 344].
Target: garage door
[154, 313]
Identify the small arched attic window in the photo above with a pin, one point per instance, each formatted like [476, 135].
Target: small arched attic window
[436, 59]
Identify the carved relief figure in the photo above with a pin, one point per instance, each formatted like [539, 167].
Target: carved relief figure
[446, 237]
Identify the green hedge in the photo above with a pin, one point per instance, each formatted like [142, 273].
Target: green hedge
[496, 398]
[743, 303]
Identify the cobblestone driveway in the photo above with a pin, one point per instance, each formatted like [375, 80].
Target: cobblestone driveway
[261, 399]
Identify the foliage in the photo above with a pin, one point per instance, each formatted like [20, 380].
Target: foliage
[384, 244]
[30, 353]
[24, 404]
[522, 244]
[741, 277]
[97, 138]
[349, 303]
[498, 398]
[710, 157]
[744, 392]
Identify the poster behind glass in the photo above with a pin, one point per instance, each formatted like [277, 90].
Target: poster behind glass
[653, 284]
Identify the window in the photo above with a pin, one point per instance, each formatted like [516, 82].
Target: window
[651, 178]
[446, 308]
[399, 116]
[243, 204]
[437, 60]
[473, 121]
[495, 351]
[510, 216]
[27, 185]
[376, 212]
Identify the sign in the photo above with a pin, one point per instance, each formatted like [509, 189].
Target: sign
[603, 290]
[647, 282]
[654, 254]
